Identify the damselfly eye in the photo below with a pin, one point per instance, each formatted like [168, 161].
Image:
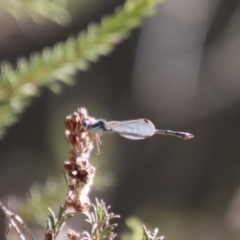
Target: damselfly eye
[86, 123]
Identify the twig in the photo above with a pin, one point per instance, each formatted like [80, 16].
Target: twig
[13, 218]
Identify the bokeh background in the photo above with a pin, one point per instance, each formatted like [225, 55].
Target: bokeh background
[181, 70]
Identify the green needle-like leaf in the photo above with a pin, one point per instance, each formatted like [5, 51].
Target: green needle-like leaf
[51, 219]
[37, 10]
[100, 221]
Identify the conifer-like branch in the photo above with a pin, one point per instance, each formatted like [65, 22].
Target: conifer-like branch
[37, 10]
[100, 219]
[19, 85]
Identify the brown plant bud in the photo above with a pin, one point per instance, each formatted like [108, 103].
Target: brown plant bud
[73, 139]
[72, 235]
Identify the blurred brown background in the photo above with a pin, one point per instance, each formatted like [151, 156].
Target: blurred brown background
[181, 70]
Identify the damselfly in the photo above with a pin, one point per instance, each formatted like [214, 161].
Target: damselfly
[133, 129]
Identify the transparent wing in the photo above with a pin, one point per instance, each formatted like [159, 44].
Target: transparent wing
[133, 129]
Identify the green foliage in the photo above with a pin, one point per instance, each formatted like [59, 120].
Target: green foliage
[35, 207]
[139, 231]
[100, 219]
[147, 235]
[58, 64]
[55, 223]
[38, 10]
[136, 229]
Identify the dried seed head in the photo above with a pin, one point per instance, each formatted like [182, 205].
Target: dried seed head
[80, 172]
